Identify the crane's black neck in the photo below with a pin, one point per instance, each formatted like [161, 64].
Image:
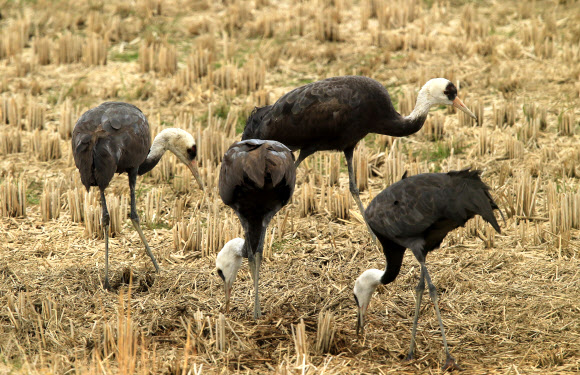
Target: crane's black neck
[394, 254]
[392, 123]
[402, 126]
[157, 150]
[149, 164]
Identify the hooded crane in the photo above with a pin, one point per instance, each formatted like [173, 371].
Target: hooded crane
[257, 179]
[417, 213]
[336, 113]
[114, 138]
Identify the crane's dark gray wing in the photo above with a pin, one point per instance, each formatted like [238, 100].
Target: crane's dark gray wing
[409, 207]
[253, 162]
[318, 100]
[280, 164]
[426, 207]
[112, 137]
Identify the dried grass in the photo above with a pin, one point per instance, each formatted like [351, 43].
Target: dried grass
[45, 146]
[509, 300]
[10, 142]
[13, 197]
[158, 57]
[50, 200]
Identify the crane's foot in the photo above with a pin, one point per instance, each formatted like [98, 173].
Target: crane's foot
[107, 286]
[409, 357]
[257, 310]
[450, 364]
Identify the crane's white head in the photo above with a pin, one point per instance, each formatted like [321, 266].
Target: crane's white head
[364, 287]
[182, 144]
[228, 262]
[440, 91]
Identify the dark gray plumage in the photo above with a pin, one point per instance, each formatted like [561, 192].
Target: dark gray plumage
[257, 179]
[417, 213]
[115, 138]
[336, 113]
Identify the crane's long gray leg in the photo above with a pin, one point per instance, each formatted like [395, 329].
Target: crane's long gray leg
[418, 297]
[255, 261]
[304, 153]
[135, 217]
[354, 189]
[105, 223]
[449, 361]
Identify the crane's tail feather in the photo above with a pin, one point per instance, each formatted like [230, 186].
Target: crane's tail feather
[478, 201]
[104, 164]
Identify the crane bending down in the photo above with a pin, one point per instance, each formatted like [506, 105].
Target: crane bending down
[336, 113]
[114, 138]
[417, 213]
[257, 179]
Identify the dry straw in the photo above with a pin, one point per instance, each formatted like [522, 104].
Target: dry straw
[187, 235]
[34, 115]
[307, 203]
[566, 123]
[394, 166]
[220, 333]
[407, 101]
[159, 57]
[95, 50]
[198, 65]
[11, 111]
[327, 25]
[68, 116]
[14, 38]
[153, 206]
[300, 343]
[42, 47]
[526, 194]
[13, 197]
[45, 146]
[504, 114]
[528, 132]
[485, 142]
[50, 200]
[76, 199]
[434, 128]
[337, 202]
[69, 49]
[10, 142]
[325, 332]
[117, 208]
[361, 164]
[514, 148]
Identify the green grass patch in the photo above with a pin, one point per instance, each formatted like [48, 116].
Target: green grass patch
[33, 192]
[439, 151]
[241, 122]
[157, 225]
[127, 56]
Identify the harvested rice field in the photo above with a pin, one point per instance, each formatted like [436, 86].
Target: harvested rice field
[510, 302]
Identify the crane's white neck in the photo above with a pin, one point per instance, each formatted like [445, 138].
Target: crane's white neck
[422, 105]
[172, 139]
[161, 143]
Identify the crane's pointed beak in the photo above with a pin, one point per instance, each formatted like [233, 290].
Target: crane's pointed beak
[195, 171]
[360, 320]
[228, 291]
[457, 103]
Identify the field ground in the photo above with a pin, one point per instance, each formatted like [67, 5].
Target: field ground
[510, 302]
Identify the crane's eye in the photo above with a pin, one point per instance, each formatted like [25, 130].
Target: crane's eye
[192, 152]
[450, 91]
[221, 274]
